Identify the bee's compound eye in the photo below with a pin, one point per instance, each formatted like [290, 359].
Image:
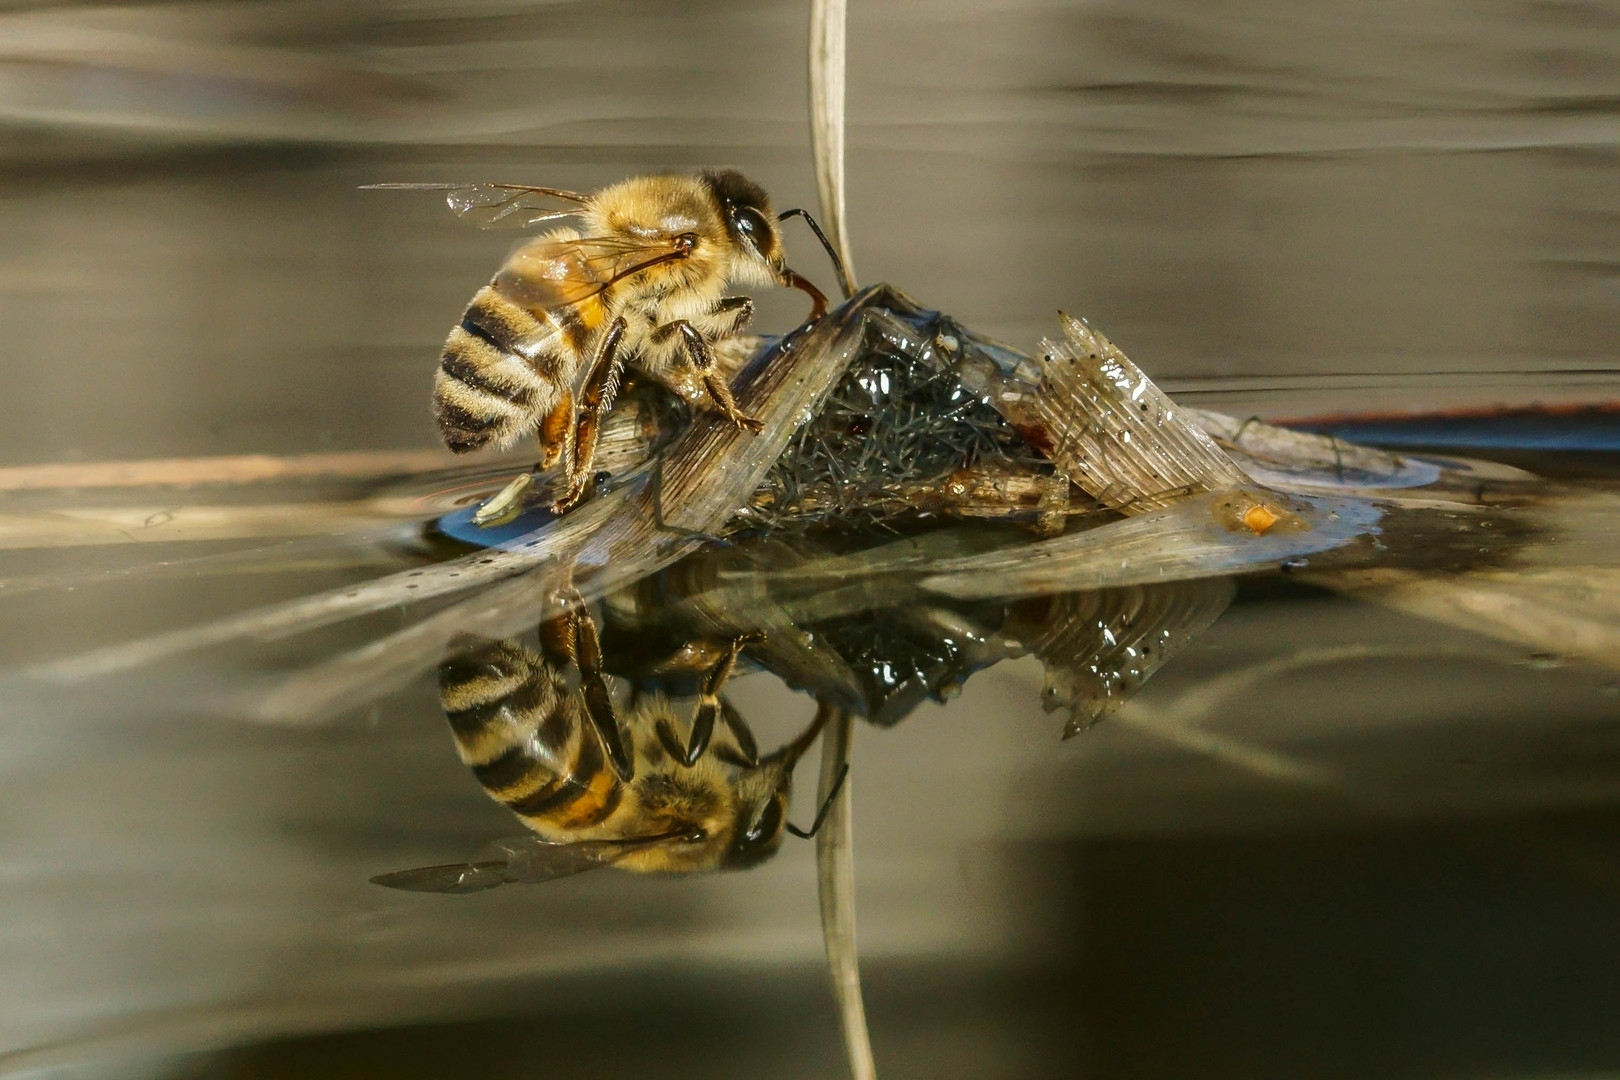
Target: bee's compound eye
[752, 226]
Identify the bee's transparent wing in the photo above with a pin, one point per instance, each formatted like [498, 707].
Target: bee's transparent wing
[543, 273]
[516, 860]
[500, 206]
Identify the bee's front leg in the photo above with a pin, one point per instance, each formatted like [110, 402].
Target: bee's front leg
[595, 401]
[715, 663]
[729, 317]
[709, 704]
[703, 359]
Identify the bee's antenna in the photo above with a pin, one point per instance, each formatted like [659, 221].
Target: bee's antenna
[826, 805]
[844, 281]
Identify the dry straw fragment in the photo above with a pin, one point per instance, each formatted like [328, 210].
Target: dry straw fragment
[1118, 435]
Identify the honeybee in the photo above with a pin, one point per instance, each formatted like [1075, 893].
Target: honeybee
[641, 282]
[556, 757]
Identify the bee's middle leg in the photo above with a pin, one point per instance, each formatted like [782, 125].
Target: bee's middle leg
[747, 747]
[703, 359]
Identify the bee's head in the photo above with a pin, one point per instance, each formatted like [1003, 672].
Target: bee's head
[758, 257]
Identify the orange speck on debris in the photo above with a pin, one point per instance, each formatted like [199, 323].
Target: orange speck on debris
[1260, 517]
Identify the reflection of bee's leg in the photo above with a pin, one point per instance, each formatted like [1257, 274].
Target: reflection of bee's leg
[578, 638]
[600, 390]
[747, 748]
[557, 640]
[702, 354]
[709, 707]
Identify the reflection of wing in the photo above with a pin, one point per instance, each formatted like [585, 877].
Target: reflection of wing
[549, 272]
[448, 878]
[500, 206]
[520, 859]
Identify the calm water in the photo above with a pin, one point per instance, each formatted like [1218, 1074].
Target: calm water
[1330, 837]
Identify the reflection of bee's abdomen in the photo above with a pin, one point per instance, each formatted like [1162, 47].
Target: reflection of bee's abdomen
[502, 370]
[526, 737]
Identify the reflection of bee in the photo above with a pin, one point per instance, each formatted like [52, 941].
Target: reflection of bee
[544, 345]
[556, 757]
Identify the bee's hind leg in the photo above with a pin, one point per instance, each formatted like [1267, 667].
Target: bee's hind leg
[595, 402]
[556, 434]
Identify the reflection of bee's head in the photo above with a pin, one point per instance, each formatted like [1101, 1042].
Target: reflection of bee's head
[730, 814]
[758, 257]
[527, 735]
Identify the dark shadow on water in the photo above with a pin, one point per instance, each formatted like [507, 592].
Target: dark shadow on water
[1485, 948]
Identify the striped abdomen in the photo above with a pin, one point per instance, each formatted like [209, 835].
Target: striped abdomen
[503, 370]
[526, 736]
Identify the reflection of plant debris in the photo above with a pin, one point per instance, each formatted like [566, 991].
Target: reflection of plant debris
[1097, 648]
[903, 656]
[1100, 647]
[900, 436]
[879, 648]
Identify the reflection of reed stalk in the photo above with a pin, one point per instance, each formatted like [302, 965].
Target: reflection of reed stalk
[835, 865]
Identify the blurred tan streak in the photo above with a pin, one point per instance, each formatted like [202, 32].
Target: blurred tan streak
[1566, 611]
[1241, 755]
[1184, 722]
[239, 469]
[85, 525]
[156, 71]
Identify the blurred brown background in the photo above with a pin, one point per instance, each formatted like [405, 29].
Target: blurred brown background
[1377, 204]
